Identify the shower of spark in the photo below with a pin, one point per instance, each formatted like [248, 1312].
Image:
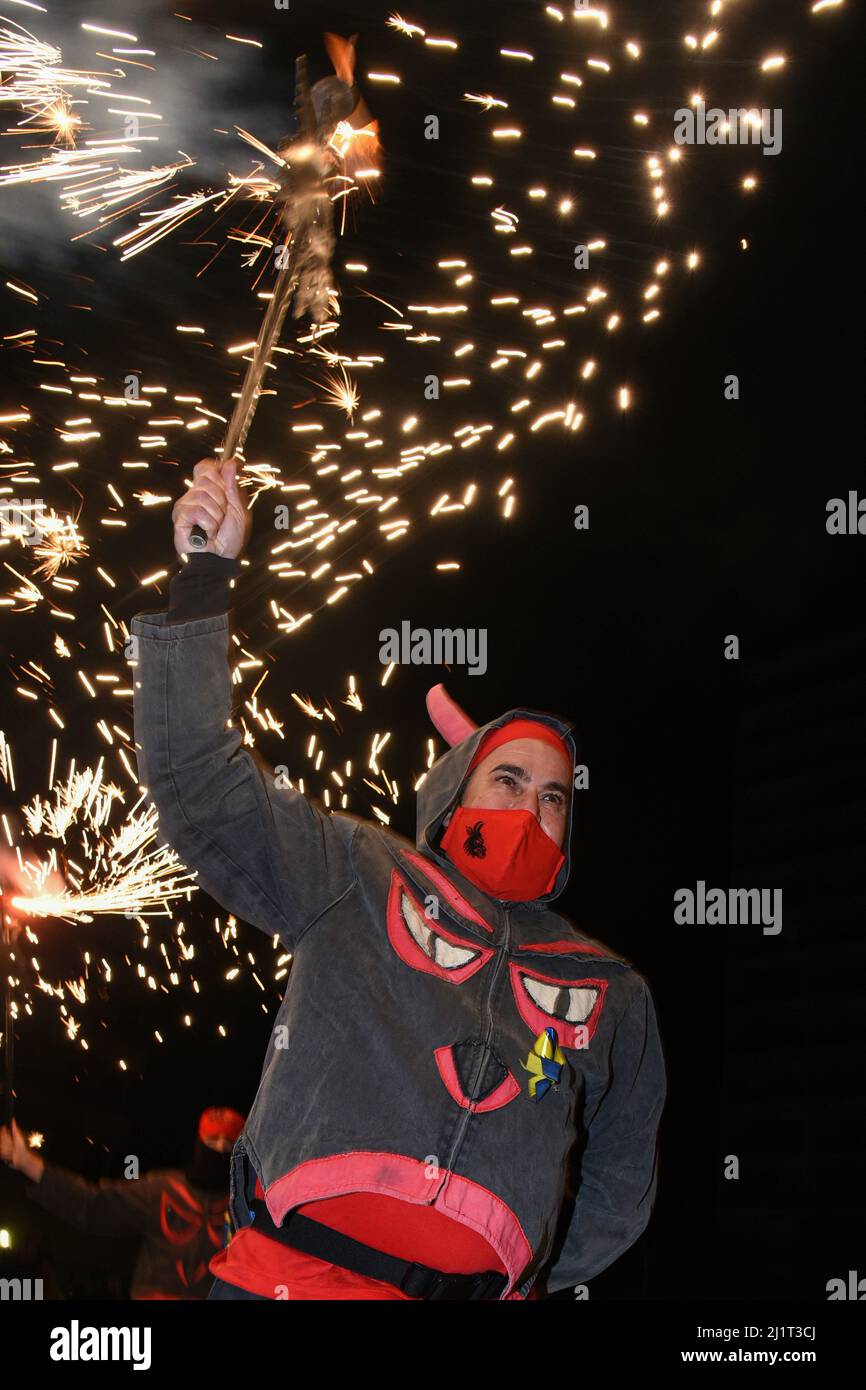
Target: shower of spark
[35, 80]
[341, 391]
[60, 545]
[122, 874]
[522, 358]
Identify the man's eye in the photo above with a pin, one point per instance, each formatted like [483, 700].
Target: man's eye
[505, 778]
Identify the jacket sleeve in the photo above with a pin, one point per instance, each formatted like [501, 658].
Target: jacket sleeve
[262, 850]
[618, 1176]
[105, 1208]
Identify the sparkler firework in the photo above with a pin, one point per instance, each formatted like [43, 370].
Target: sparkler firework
[309, 163]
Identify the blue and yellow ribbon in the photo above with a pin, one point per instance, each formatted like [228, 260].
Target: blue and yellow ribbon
[544, 1064]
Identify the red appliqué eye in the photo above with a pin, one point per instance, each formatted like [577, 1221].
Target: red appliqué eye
[571, 1006]
[180, 1217]
[423, 943]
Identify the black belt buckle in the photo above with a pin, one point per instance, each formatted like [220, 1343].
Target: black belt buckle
[452, 1286]
[434, 1285]
[491, 1284]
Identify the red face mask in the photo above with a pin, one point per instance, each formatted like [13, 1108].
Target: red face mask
[505, 853]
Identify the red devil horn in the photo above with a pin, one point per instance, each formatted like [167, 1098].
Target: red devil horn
[452, 722]
[342, 54]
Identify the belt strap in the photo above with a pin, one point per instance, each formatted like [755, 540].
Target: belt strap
[416, 1280]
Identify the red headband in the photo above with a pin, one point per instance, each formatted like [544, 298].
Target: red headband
[521, 728]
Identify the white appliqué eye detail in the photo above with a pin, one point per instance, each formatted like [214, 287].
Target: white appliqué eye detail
[434, 946]
[577, 1003]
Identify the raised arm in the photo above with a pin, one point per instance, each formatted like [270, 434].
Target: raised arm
[260, 848]
[109, 1208]
[105, 1208]
[618, 1176]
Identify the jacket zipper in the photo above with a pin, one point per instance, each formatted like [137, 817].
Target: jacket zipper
[494, 976]
[500, 960]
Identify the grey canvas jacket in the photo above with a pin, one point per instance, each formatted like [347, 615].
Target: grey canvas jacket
[396, 1064]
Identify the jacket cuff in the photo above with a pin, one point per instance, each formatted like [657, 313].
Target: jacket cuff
[201, 589]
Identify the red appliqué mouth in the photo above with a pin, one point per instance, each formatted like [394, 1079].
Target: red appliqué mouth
[464, 1064]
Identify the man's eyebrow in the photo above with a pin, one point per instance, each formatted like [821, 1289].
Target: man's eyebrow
[524, 777]
[512, 768]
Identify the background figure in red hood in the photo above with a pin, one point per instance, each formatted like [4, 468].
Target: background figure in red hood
[180, 1215]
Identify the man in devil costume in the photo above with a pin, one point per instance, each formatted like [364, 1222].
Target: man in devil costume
[180, 1215]
[462, 1092]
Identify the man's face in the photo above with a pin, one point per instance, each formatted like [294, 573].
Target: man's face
[526, 774]
[219, 1144]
